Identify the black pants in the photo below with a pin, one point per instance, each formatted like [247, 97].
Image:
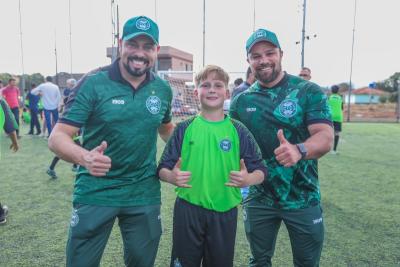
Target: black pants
[202, 237]
[305, 227]
[15, 111]
[56, 159]
[34, 122]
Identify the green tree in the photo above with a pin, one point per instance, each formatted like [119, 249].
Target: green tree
[4, 77]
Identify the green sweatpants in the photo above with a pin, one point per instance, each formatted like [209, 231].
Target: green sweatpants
[305, 227]
[91, 226]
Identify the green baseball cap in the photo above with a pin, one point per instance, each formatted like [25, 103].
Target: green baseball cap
[140, 26]
[259, 36]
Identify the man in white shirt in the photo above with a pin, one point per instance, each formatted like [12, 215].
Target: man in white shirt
[51, 98]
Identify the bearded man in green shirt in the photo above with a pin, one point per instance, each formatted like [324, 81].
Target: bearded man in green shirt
[291, 122]
[121, 108]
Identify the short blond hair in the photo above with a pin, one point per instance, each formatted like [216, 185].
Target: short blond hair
[207, 70]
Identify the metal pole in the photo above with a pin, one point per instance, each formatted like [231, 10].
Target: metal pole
[55, 54]
[303, 33]
[70, 35]
[204, 31]
[155, 10]
[155, 15]
[398, 100]
[254, 15]
[22, 53]
[351, 61]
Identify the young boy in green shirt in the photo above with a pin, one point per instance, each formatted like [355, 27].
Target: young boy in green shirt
[209, 158]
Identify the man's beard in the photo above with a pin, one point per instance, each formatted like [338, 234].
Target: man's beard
[268, 78]
[136, 72]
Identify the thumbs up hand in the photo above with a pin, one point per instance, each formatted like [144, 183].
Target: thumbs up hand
[286, 154]
[239, 178]
[96, 162]
[178, 177]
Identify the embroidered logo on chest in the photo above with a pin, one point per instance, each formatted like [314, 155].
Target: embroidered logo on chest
[288, 108]
[225, 145]
[153, 104]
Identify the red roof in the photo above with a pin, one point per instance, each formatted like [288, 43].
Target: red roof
[368, 91]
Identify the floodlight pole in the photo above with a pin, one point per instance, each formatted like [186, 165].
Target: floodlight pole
[398, 100]
[70, 35]
[254, 15]
[351, 61]
[303, 33]
[204, 32]
[22, 52]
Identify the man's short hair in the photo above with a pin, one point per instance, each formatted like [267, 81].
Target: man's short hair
[248, 72]
[49, 79]
[11, 79]
[306, 68]
[207, 70]
[335, 89]
[71, 81]
[238, 81]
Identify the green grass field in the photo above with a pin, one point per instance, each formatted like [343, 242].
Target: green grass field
[360, 197]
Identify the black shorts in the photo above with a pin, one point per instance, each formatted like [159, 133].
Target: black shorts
[337, 126]
[202, 237]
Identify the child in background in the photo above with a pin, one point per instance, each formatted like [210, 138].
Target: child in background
[51, 172]
[26, 117]
[209, 158]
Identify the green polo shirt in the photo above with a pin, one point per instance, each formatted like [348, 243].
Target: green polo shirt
[109, 109]
[292, 105]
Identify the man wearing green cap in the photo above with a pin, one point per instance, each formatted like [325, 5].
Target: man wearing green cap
[121, 108]
[291, 121]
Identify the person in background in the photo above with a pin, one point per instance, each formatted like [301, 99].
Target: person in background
[305, 73]
[250, 79]
[11, 94]
[51, 98]
[336, 103]
[9, 125]
[34, 111]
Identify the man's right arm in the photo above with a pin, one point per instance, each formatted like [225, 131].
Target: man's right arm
[61, 142]
[36, 90]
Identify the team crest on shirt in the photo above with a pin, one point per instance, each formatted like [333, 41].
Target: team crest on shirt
[288, 108]
[74, 218]
[153, 104]
[225, 145]
[143, 24]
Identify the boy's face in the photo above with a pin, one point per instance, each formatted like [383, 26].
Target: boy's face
[211, 92]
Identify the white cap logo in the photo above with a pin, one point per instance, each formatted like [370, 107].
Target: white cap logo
[260, 34]
[142, 24]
